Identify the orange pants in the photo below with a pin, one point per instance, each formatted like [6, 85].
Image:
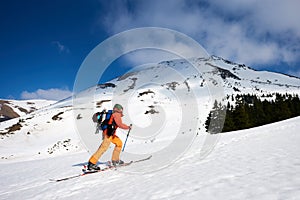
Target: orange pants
[104, 146]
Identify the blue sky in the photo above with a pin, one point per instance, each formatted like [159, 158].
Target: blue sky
[43, 43]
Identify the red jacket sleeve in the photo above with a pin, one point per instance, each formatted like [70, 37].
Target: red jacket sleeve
[118, 120]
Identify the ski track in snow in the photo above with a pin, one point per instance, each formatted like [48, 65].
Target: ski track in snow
[258, 163]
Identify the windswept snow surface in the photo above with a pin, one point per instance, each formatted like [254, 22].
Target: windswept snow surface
[258, 163]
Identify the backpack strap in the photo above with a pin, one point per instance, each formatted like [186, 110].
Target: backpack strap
[111, 125]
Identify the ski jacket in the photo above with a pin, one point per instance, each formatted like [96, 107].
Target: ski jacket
[117, 119]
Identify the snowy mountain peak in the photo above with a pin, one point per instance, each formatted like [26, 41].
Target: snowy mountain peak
[167, 103]
[155, 97]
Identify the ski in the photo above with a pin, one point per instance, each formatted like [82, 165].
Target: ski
[109, 167]
[86, 172]
[144, 159]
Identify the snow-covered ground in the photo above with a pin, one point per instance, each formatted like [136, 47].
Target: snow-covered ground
[258, 163]
[156, 98]
[168, 104]
[23, 107]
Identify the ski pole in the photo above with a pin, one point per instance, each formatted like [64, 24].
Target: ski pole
[127, 137]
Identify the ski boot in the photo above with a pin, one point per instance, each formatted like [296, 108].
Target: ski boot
[116, 163]
[92, 167]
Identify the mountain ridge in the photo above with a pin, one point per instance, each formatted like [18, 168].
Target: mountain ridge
[169, 88]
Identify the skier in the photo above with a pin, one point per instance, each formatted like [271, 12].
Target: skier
[107, 139]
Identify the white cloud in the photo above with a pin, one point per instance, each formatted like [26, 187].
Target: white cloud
[61, 48]
[251, 32]
[50, 94]
[153, 45]
[271, 27]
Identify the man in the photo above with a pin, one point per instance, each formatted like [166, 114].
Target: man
[117, 119]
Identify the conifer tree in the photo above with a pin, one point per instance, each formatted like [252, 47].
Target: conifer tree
[250, 111]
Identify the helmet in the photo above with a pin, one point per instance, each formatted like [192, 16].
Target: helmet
[118, 107]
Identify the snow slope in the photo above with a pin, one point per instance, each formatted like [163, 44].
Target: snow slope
[167, 104]
[15, 108]
[157, 97]
[258, 163]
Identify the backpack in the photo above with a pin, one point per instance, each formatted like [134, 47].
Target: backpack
[102, 119]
